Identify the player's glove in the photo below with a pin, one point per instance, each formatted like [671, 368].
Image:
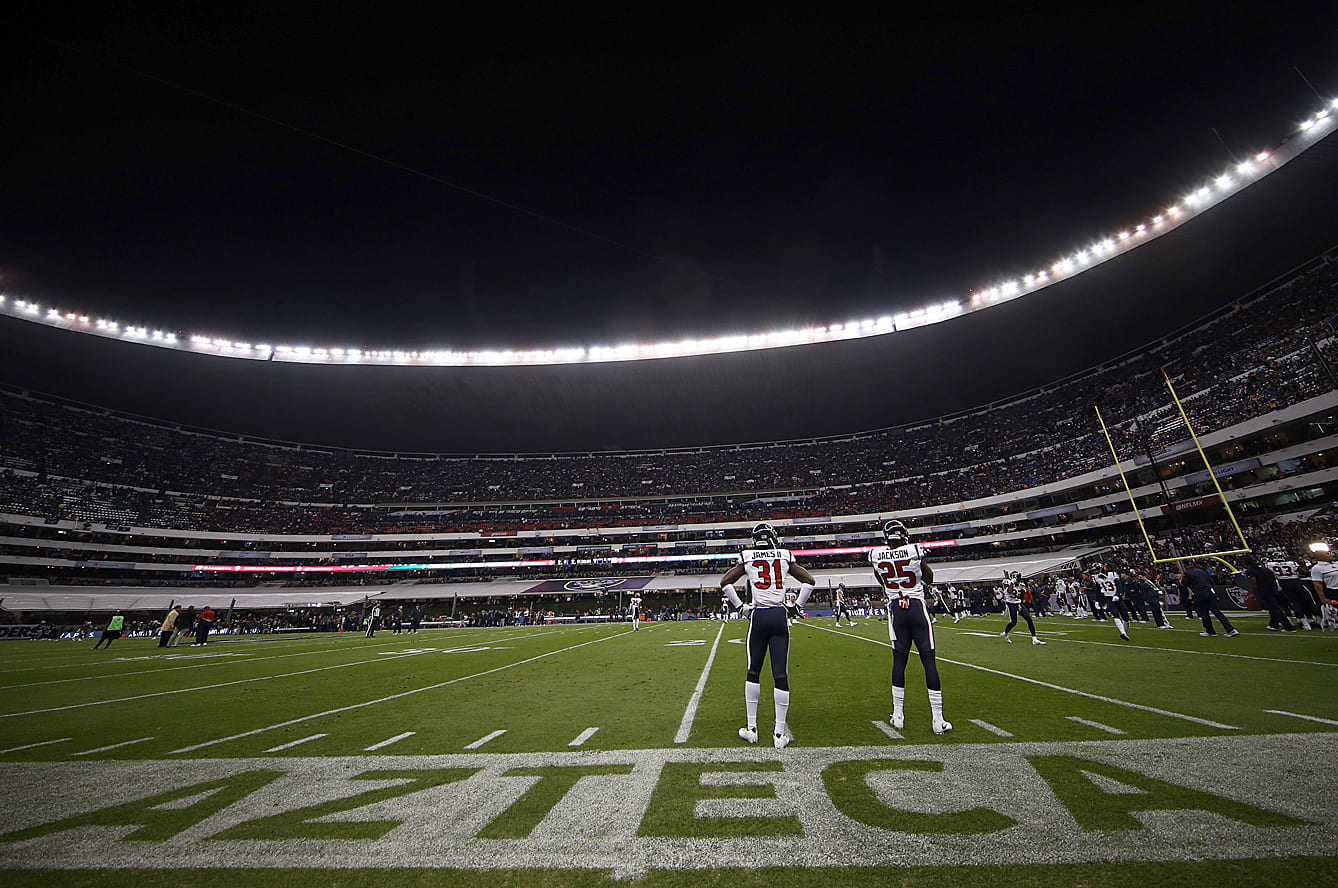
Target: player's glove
[747, 611]
[792, 611]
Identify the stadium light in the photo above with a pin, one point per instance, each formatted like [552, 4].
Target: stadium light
[1315, 127]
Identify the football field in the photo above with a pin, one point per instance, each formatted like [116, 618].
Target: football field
[593, 755]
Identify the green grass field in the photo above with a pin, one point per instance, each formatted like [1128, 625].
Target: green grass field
[582, 755]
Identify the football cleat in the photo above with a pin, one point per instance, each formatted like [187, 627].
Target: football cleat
[941, 726]
[1233, 633]
[1035, 640]
[749, 734]
[782, 739]
[1004, 636]
[898, 720]
[1125, 637]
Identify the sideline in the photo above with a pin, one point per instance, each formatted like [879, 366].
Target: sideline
[1055, 687]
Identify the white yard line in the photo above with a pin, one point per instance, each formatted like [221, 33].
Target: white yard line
[384, 743]
[34, 745]
[1171, 650]
[399, 696]
[113, 746]
[1055, 687]
[218, 661]
[482, 740]
[193, 690]
[296, 743]
[1093, 724]
[690, 714]
[993, 729]
[1323, 721]
[887, 729]
[583, 736]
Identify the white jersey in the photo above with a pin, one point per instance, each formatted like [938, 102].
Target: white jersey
[1326, 572]
[1284, 570]
[766, 570]
[1012, 591]
[899, 570]
[1108, 583]
[634, 602]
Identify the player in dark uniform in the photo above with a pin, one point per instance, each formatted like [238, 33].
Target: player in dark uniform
[902, 571]
[1295, 590]
[766, 565]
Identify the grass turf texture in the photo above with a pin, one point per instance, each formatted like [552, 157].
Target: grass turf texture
[234, 702]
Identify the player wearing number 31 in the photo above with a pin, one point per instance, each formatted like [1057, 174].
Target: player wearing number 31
[767, 565]
[900, 568]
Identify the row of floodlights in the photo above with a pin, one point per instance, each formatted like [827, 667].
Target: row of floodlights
[1207, 195]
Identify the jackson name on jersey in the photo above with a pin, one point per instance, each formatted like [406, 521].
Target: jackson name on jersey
[898, 570]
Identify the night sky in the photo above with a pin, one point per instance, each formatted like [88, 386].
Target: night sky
[537, 177]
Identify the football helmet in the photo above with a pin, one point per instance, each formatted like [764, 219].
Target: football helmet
[896, 533]
[765, 536]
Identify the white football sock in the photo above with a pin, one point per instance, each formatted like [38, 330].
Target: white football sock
[752, 692]
[936, 704]
[782, 708]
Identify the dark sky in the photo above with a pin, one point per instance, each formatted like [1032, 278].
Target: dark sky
[538, 177]
[531, 177]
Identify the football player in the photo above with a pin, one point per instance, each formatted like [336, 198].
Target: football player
[766, 565]
[1108, 582]
[1014, 595]
[1298, 593]
[634, 608]
[901, 570]
[842, 607]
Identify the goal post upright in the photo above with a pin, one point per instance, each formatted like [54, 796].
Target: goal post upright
[1212, 475]
[1125, 481]
[1138, 515]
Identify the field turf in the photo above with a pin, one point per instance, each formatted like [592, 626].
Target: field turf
[592, 755]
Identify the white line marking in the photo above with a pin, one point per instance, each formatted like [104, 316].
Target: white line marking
[1055, 687]
[113, 746]
[1171, 650]
[583, 736]
[398, 696]
[1091, 724]
[1323, 721]
[887, 729]
[482, 740]
[296, 742]
[384, 743]
[690, 714]
[222, 684]
[33, 745]
[993, 729]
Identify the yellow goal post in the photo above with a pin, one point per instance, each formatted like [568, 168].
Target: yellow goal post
[1212, 474]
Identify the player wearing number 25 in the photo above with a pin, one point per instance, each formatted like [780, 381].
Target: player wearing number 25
[900, 568]
[767, 565]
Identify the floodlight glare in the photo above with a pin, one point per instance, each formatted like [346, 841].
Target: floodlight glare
[1319, 547]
